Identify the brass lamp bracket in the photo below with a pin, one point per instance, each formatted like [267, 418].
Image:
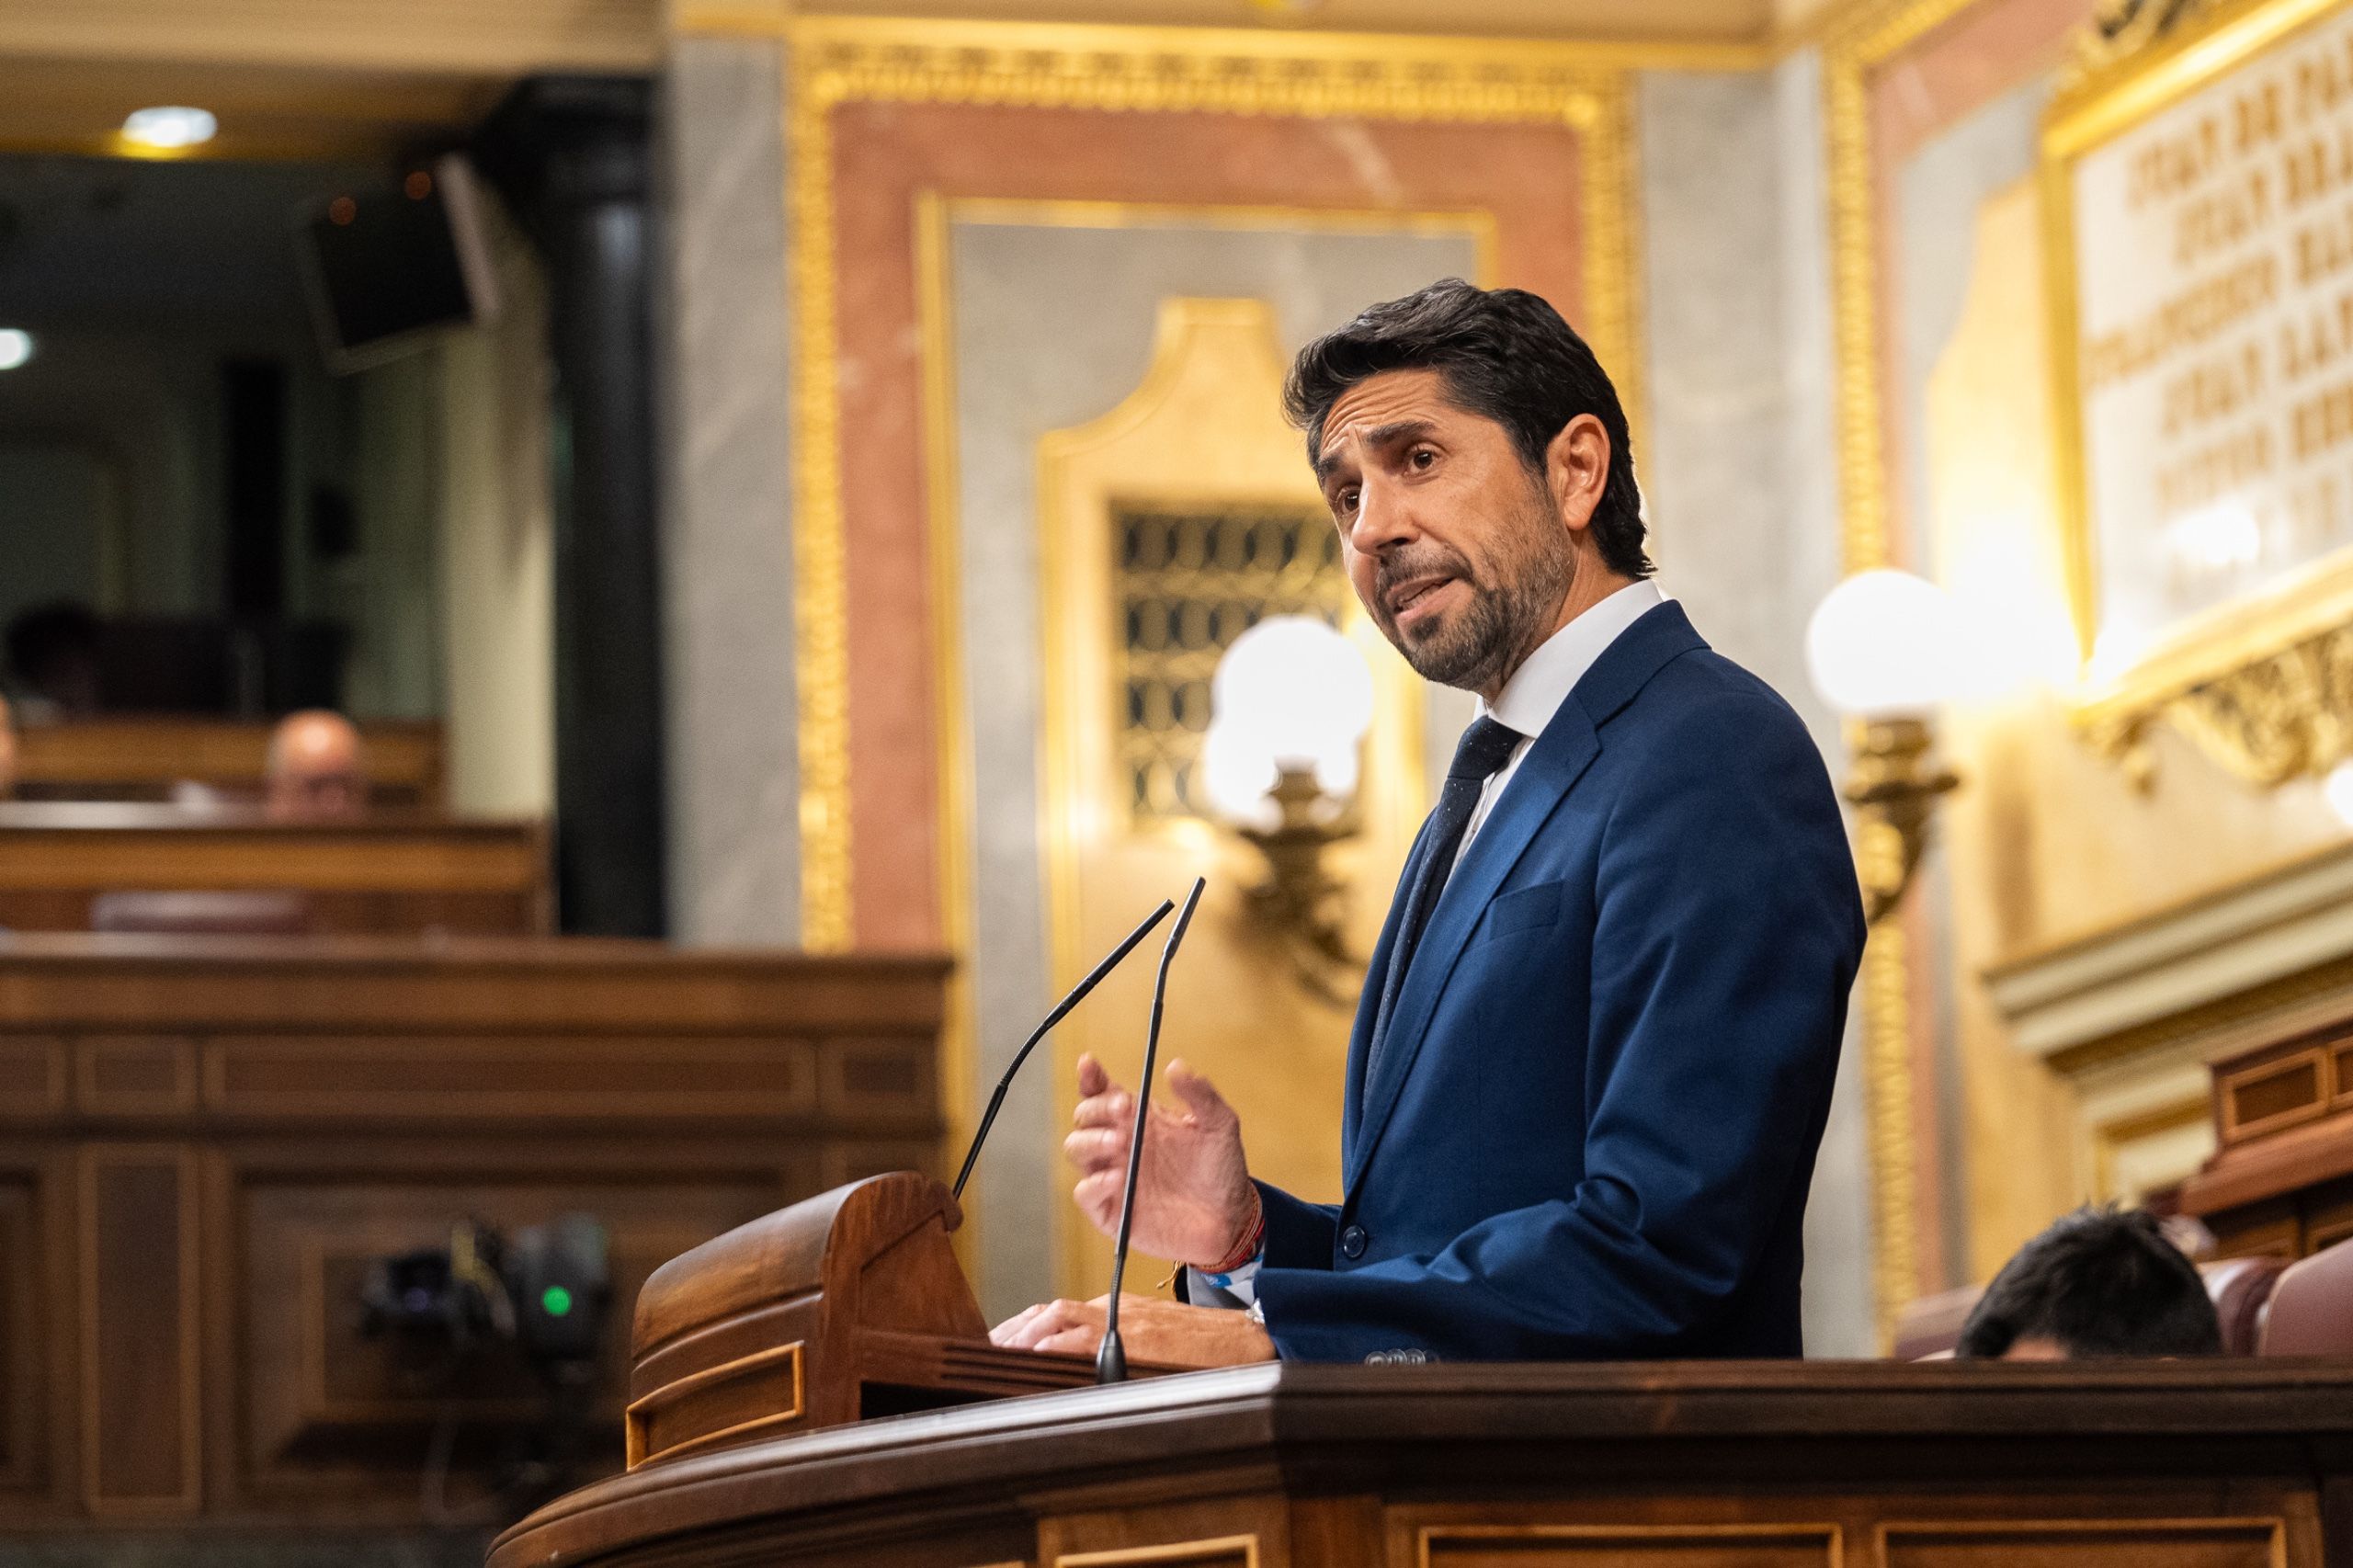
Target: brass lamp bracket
[1299, 901]
[1894, 789]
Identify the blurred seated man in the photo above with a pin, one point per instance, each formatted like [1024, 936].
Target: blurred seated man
[315, 774]
[7, 751]
[2096, 1283]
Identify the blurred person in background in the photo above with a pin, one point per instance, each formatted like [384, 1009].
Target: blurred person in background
[7, 750]
[316, 773]
[2097, 1283]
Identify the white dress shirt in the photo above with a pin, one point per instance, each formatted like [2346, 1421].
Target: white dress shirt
[1527, 703]
[1543, 682]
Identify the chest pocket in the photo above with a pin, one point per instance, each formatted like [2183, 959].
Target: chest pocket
[1524, 909]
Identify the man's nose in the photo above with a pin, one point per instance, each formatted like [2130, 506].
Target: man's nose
[1382, 519]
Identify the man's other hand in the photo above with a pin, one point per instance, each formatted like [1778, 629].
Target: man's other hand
[1196, 1199]
[1152, 1330]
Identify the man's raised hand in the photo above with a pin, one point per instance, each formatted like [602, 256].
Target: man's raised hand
[1195, 1198]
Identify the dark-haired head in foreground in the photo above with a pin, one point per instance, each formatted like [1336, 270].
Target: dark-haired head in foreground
[1474, 457]
[2096, 1283]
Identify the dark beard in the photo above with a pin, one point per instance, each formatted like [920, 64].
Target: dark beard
[1480, 645]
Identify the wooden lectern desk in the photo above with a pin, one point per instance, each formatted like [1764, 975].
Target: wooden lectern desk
[756, 1351]
[843, 1306]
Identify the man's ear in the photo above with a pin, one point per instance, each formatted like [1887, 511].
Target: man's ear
[1576, 470]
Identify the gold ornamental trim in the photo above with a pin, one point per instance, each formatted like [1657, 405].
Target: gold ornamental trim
[2272, 718]
[834, 61]
[1857, 42]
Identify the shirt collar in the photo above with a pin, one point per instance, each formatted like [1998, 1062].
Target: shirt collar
[1543, 682]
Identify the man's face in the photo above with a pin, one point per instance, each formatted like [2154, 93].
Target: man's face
[315, 771]
[2036, 1348]
[1453, 545]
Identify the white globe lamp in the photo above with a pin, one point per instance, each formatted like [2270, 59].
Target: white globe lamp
[1884, 644]
[1288, 708]
[1884, 649]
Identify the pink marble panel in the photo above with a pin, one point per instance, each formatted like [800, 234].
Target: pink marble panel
[885, 155]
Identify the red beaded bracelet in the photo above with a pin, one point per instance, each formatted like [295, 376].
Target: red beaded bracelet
[1254, 1236]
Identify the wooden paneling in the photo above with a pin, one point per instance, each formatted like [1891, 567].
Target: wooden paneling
[383, 874]
[140, 1403]
[459, 1077]
[1625, 1546]
[135, 1074]
[308, 1238]
[359, 986]
[32, 1074]
[1216, 1531]
[2328, 1212]
[2079, 1543]
[869, 1078]
[2212, 1463]
[24, 1357]
[2272, 1095]
[2280, 1185]
[854, 1159]
[209, 1140]
[143, 759]
[1226, 1552]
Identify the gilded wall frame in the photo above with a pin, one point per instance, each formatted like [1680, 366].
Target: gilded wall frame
[834, 61]
[2256, 682]
[1859, 41]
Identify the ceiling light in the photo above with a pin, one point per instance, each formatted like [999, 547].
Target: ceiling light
[16, 347]
[170, 127]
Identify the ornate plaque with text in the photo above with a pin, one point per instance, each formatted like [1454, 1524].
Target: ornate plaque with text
[2200, 205]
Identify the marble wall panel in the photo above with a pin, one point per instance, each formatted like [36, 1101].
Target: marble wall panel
[885, 155]
[727, 537]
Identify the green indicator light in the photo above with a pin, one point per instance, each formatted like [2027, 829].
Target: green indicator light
[556, 1300]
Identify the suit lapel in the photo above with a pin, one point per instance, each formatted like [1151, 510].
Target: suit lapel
[1369, 1002]
[1563, 751]
[1560, 757]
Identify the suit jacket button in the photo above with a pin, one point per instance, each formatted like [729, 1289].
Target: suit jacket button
[1352, 1241]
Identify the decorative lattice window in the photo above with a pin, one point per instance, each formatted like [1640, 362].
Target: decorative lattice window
[1190, 580]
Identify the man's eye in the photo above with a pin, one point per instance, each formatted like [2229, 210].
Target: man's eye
[1423, 456]
[1346, 501]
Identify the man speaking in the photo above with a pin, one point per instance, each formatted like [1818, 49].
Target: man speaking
[1594, 1048]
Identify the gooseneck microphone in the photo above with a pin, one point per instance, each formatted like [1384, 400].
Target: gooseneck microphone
[1112, 1360]
[1062, 1010]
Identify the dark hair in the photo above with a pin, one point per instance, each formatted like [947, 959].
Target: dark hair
[1507, 355]
[2098, 1283]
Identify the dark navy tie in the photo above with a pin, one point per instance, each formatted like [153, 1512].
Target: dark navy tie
[1485, 746]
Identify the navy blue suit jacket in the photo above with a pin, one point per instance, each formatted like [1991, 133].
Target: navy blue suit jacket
[1599, 1105]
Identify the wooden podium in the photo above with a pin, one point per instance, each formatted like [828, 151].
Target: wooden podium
[2236, 1463]
[843, 1306]
[757, 1354]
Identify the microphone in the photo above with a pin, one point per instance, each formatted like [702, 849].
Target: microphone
[1062, 1010]
[1112, 1360]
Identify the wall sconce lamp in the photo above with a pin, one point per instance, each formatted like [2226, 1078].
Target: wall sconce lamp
[1289, 706]
[1884, 649]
